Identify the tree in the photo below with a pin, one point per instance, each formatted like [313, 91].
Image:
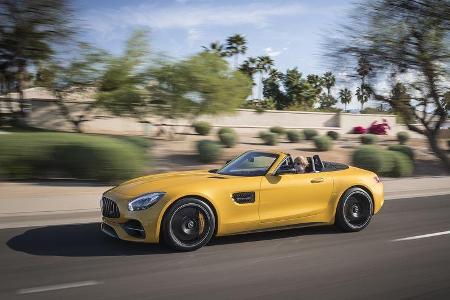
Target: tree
[263, 65]
[30, 31]
[363, 94]
[123, 86]
[345, 96]
[249, 68]
[80, 76]
[407, 43]
[216, 47]
[201, 84]
[236, 45]
[328, 81]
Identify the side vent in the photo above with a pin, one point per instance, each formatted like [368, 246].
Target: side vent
[244, 197]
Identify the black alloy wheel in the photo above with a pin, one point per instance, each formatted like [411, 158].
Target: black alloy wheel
[188, 225]
[354, 211]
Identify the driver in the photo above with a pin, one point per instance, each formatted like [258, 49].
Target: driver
[300, 164]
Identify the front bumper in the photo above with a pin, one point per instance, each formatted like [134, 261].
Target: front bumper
[137, 226]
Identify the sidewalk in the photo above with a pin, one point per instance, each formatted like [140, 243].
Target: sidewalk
[51, 203]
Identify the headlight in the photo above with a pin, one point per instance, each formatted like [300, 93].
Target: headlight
[145, 201]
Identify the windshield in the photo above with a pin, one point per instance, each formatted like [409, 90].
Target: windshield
[249, 164]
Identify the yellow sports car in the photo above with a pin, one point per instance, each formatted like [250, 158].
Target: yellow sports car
[257, 190]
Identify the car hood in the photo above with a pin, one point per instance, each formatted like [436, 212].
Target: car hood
[164, 182]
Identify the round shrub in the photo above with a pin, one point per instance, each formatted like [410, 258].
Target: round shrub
[402, 137]
[294, 136]
[323, 143]
[228, 139]
[333, 134]
[403, 149]
[269, 138]
[201, 127]
[208, 151]
[310, 133]
[403, 166]
[278, 130]
[388, 162]
[368, 157]
[225, 130]
[368, 139]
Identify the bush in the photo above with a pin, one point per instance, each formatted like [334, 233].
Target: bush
[448, 144]
[310, 133]
[278, 130]
[408, 151]
[228, 139]
[368, 139]
[208, 151]
[333, 134]
[403, 166]
[269, 138]
[323, 143]
[225, 130]
[81, 156]
[368, 157]
[402, 137]
[139, 141]
[294, 136]
[201, 127]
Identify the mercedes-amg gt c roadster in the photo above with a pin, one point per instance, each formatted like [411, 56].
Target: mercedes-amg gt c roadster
[257, 190]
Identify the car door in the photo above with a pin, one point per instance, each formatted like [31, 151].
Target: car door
[292, 196]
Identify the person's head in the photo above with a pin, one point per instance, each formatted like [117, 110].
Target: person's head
[301, 161]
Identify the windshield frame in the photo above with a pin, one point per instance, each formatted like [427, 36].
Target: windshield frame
[276, 158]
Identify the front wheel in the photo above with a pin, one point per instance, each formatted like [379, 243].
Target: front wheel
[188, 225]
[354, 210]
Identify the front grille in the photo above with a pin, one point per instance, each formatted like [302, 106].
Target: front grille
[110, 208]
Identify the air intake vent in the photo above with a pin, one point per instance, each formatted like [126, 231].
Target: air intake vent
[244, 197]
[109, 208]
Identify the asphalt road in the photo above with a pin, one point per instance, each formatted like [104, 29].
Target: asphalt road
[79, 262]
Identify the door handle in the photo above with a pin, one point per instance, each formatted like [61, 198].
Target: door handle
[316, 180]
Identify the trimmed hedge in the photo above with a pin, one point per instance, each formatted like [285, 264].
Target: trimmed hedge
[269, 138]
[228, 139]
[368, 139]
[294, 136]
[408, 151]
[225, 130]
[208, 151]
[402, 137]
[278, 130]
[201, 127]
[310, 133]
[69, 155]
[333, 134]
[383, 162]
[323, 143]
[368, 157]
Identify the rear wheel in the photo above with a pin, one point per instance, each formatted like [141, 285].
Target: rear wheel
[354, 210]
[188, 225]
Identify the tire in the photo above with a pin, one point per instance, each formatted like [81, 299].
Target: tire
[354, 211]
[188, 224]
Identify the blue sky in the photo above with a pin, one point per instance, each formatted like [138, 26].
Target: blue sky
[290, 31]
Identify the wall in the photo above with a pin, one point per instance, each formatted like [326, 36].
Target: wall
[46, 114]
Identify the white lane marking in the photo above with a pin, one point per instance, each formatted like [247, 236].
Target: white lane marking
[57, 287]
[416, 237]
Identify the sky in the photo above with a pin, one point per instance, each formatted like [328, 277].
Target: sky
[292, 32]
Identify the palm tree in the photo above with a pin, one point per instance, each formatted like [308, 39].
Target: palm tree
[249, 67]
[363, 94]
[329, 80]
[236, 44]
[345, 96]
[263, 64]
[216, 47]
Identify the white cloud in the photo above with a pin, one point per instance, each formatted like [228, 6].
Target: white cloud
[272, 53]
[193, 15]
[193, 36]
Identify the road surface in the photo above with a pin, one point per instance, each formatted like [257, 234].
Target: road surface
[403, 254]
